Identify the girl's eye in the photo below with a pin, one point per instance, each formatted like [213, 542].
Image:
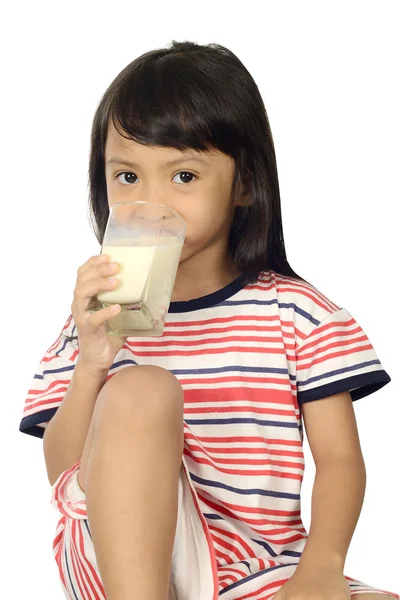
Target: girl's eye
[127, 177]
[128, 174]
[184, 178]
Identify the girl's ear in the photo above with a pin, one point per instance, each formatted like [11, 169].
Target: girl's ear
[244, 198]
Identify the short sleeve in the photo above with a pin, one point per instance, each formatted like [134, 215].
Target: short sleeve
[50, 381]
[337, 356]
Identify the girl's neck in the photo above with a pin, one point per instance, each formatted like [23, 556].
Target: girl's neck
[200, 275]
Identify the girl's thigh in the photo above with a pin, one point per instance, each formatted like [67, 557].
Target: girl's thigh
[133, 382]
[112, 385]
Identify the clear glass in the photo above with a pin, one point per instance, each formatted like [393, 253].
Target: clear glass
[146, 240]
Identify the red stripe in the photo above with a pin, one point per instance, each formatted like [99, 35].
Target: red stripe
[319, 339]
[245, 509]
[236, 538]
[255, 472]
[89, 567]
[214, 320]
[50, 386]
[245, 461]
[327, 357]
[202, 331]
[234, 409]
[216, 340]
[75, 563]
[222, 578]
[233, 394]
[269, 586]
[206, 351]
[245, 438]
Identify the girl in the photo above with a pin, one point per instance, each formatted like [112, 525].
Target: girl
[176, 462]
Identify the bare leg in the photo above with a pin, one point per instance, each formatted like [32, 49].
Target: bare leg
[131, 481]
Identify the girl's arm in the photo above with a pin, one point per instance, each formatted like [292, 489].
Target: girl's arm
[65, 434]
[340, 480]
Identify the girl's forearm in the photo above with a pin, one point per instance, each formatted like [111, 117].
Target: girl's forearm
[65, 435]
[337, 499]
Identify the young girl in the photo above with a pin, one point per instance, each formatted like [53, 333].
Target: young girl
[176, 462]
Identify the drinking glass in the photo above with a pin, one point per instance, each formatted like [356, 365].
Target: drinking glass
[146, 240]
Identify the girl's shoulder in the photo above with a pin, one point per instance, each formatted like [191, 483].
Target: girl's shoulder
[298, 301]
[331, 351]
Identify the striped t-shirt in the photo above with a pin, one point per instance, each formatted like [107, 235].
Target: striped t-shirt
[247, 357]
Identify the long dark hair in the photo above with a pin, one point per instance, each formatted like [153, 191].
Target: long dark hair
[199, 96]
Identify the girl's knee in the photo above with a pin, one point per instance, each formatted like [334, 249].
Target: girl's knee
[149, 378]
[141, 391]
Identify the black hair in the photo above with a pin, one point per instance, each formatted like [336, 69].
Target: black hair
[199, 96]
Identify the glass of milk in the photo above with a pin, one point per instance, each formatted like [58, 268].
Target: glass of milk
[146, 240]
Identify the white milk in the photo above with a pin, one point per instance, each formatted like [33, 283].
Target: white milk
[146, 275]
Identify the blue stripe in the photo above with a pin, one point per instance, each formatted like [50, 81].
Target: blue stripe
[291, 553]
[85, 521]
[251, 577]
[244, 562]
[72, 367]
[296, 308]
[62, 347]
[339, 371]
[247, 492]
[238, 420]
[59, 370]
[69, 574]
[234, 368]
[266, 546]
[273, 554]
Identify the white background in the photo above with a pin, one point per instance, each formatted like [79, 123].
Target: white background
[328, 74]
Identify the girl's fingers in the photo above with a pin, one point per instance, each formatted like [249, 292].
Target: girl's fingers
[98, 318]
[84, 292]
[92, 262]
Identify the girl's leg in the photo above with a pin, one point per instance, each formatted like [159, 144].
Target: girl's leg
[129, 471]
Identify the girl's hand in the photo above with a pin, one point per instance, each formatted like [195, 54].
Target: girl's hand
[315, 582]
[97, 349]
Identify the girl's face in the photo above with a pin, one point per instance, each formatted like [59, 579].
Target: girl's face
[198, 185]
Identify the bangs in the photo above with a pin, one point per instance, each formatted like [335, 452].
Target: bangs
[172, 102]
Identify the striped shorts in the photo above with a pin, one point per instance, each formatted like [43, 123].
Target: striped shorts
[194, 571]
[76, 559]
